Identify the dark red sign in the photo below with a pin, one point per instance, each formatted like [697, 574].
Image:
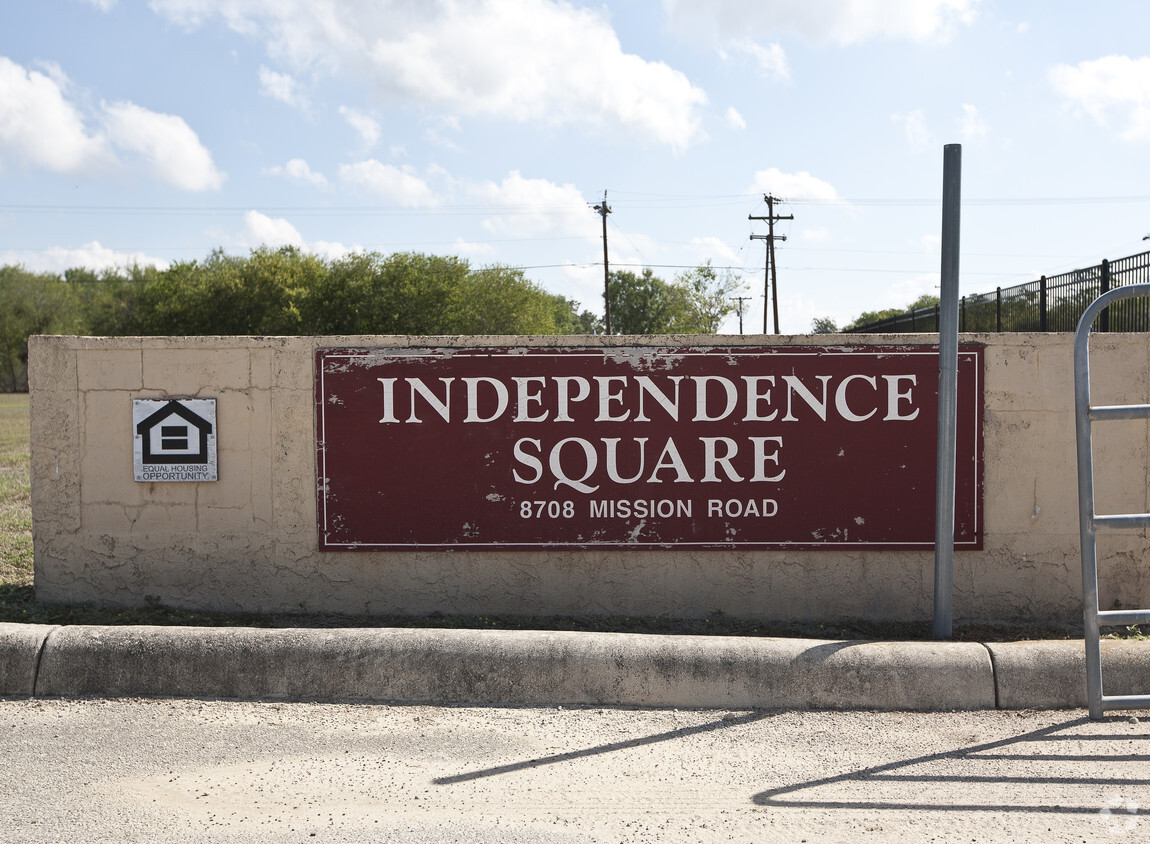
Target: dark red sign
[732, 447]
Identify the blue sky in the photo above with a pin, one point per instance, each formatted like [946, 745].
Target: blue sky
[156, 131]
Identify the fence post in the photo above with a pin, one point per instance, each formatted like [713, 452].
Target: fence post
[998, 309]
[1042, 304]
[1104, 320]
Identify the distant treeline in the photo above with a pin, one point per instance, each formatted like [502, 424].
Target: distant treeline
[286, 292]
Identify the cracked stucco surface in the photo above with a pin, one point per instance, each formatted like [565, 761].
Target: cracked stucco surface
[249, 541]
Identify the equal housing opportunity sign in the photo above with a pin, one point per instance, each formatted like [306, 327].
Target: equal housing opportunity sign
[711, 447]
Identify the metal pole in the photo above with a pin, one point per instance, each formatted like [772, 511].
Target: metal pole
[1042, 304]
[947, 394]
[1104, 323]
[1089, 547]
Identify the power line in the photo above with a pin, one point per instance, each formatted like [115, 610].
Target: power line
[526, 208]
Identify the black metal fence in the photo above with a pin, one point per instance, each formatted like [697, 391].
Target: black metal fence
[1048, 304]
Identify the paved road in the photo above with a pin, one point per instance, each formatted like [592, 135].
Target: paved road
[185, 770]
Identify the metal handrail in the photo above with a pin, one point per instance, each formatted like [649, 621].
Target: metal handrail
[1089, 521]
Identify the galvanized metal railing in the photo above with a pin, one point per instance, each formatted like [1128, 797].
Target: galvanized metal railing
[1089, 521]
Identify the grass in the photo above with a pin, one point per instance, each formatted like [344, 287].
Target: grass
[15, 499]
[18, 602]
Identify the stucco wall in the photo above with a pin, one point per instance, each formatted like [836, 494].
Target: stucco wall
[248, 542]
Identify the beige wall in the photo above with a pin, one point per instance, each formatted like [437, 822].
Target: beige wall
[249, 541]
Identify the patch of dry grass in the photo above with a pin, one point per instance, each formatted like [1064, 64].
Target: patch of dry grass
[15, 497]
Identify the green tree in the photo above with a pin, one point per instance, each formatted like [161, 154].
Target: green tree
[696, 302]
[338, 301]
[402, 293]
[645, 303]
[226, 294]
[867, 317]
[30, 303]
[569, 319]
[926, 300]
[499, 300]
[414, 293]
[109, 301]
[710, 297]
[824, 325]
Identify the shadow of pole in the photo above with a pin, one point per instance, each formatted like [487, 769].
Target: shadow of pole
[886, 773]
[721, 724]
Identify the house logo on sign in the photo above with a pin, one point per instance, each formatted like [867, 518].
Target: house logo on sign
[174, 439]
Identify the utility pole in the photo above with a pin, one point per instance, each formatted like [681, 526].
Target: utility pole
[603, 210]
[740, 300]
[773, 285]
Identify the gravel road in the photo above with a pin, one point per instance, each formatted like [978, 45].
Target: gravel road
[224, 771]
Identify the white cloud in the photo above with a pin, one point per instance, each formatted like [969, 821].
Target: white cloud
[796, 313]
[771, 60]
[166, 143]
[365, 126]
[274, 232]
[473, 249]
[39, 126]
[437, 138]
[282, 87]
[537, 61]
[974, 127]
[839, 22]
[795, 186]
[298, 171]
[532, 207]
[262, 230]
[1111, 88]
[914, 125]
[540, 61]
[102, 5]
[585, 285]
[91, 255]
[714, 248]
[901, 293]
[735, 120]
[816, 237]
[394, 183]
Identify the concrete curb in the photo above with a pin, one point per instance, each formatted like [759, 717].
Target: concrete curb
[1052, 674]
[540, 667]
[20, 647]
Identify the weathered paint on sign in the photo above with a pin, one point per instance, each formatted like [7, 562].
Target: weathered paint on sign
[730, 447]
